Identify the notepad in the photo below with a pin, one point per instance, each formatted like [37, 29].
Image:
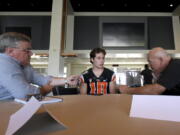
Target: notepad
[46, 100]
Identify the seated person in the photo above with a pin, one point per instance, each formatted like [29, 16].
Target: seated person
[167, 72]
[147, 75]
[98, 79]
[17, 75]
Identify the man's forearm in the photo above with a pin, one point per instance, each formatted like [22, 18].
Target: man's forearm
[153, 89]
[112, 87]
[83, 88]
[56, 81]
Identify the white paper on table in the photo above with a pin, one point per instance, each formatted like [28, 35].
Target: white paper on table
[46, 100]
[156, 107]
[18, 119]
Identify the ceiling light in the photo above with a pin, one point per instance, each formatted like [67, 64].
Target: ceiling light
[32, 4]
[125, 4]
[171, 5]
[102, 4]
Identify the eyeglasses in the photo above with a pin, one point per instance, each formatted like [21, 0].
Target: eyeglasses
[27, 50]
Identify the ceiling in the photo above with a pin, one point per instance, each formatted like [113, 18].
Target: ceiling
[26, 5]
[93, 5]
[124, 5]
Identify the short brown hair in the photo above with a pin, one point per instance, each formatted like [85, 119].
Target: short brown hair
[95, 51]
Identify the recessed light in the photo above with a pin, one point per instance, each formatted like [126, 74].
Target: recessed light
[8, 4]
[102, 4]
[32, 4]
[125, 4]
[171, 5]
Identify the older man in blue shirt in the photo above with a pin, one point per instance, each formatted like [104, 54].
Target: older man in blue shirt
[16, 74]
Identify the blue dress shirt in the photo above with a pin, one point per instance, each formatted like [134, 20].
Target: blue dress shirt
[17, 81]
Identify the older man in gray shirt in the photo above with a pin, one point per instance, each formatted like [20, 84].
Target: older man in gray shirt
[16, 74]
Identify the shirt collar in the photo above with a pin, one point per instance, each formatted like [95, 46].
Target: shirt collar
[9, 57]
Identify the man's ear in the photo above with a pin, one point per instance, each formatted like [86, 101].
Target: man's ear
[92, 60]
[9, 50]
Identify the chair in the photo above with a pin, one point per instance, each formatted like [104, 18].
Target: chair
[59, 90]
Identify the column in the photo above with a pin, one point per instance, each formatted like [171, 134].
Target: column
[56, 62]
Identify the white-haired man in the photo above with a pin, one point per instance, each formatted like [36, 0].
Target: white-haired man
[166, 70]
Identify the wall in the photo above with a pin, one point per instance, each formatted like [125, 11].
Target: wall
[70, 31]
[158, 31]
[40, 28]
[86, 32]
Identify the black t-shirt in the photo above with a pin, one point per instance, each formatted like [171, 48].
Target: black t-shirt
[170, 78]
[98, 85]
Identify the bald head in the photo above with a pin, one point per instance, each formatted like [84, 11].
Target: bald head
[158, 59]
[158, 52]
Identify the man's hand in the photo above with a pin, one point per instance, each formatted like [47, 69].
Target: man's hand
[73, 80]
[46, 89]
[123, 89]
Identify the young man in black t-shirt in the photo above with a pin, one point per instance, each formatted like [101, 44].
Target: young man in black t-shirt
[98, 80]
[166, 69]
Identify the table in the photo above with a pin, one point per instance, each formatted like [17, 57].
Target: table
[96, 115]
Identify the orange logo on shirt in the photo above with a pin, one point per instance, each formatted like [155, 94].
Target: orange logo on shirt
[101, 88]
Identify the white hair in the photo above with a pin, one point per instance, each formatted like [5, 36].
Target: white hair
[11, 39]
[160, 52]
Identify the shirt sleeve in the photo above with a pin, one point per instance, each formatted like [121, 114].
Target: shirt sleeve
[38, 78]
[14, 81]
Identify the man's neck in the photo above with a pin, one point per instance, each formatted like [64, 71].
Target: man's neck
[97, 71]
